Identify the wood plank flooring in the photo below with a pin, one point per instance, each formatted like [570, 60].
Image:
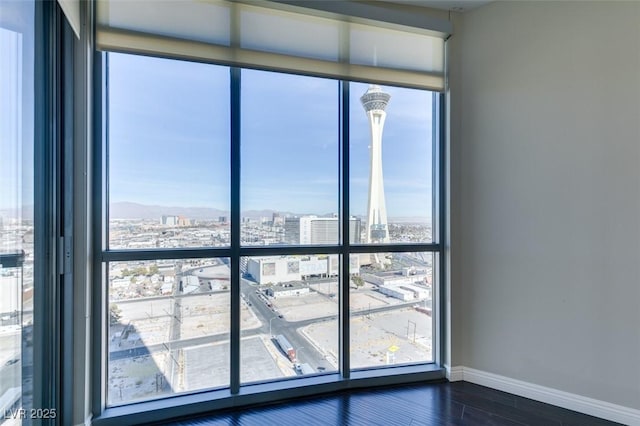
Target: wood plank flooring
[458, 403]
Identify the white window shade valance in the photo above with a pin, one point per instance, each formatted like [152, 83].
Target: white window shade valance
[274, 36]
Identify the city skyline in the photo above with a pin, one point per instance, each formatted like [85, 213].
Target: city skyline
[126, 210]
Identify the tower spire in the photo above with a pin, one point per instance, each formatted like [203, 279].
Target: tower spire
[375, 102]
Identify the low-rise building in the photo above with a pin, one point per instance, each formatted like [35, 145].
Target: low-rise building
[287, 290]
[407, 284]
[273, 269]
[418, 292]
[397, 292]
[396, 278]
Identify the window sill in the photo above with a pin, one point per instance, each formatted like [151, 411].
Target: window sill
[209, 401]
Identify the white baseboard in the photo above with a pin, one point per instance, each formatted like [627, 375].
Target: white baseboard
[570, 401]
[454, 374]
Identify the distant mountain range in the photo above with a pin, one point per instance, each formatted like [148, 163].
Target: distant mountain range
[128, 210]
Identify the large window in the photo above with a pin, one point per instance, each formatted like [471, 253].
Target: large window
[172, 313]
[267, 224]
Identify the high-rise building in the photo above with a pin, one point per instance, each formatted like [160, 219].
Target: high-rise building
[318, 230]
[169, 220]
[277, 219]
[292, 230]
[374, 102]
[183, 221]
[174, 220]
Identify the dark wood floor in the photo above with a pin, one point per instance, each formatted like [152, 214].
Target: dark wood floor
[458, 403]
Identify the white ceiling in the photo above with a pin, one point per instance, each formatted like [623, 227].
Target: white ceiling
[455, 5]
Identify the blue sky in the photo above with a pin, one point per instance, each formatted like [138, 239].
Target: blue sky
[169, 140]
[16, 107]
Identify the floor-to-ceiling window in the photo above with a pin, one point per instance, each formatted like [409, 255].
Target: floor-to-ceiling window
[264, 225]
[168, 161]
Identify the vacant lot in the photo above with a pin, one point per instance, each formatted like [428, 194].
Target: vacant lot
[306, 306]
[207, 366]
[394, 337]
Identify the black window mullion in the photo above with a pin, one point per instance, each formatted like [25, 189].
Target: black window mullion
[100, 294]
[45, 352]
[127, 255]
[345, 348]
[394, 248]
[441, 215]
[235, 232]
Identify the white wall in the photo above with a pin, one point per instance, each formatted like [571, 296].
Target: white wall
[545, 183]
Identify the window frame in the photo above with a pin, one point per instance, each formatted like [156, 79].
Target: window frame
[236, 394]
[52, 82]
[50, 129]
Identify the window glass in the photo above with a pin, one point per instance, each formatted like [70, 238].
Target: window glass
[17, 30]
[391, 302]
[295, 301]
[169, 324]
[391, 169]
[289, 159]
[168, 153]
